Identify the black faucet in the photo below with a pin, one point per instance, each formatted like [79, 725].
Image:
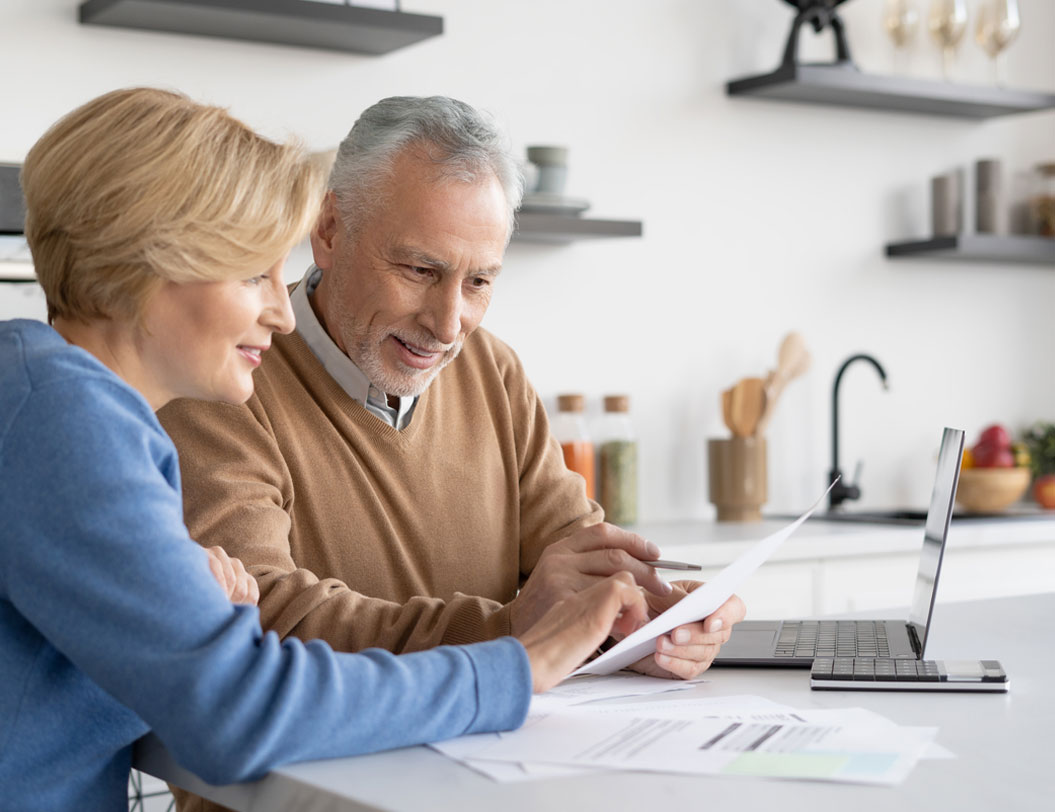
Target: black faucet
[843, 490]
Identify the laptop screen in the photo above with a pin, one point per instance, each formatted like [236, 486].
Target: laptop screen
[938, 516]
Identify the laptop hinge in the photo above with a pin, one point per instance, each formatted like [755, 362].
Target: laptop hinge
[913, 638]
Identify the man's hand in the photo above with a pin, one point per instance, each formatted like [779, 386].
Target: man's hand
[573, 628]
[575, 563]
[687, 651]
[237, 584]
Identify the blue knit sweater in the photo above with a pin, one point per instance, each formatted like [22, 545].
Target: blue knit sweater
[112, 624]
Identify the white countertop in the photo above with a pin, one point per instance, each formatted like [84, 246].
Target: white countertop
[715, 544]
[999, 741]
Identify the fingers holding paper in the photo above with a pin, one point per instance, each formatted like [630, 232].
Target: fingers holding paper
[586, 557]
[699, 601]
[573, 628]
[688, 650]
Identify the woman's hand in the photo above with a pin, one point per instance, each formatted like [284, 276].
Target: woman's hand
[573, 628]
[237, 584]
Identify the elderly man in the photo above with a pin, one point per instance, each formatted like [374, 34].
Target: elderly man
[393, 481]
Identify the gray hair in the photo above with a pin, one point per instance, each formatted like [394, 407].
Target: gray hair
[463, 141]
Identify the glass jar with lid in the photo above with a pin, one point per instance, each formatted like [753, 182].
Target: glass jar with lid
[618, 470]
[1042, 200]
[569, 427]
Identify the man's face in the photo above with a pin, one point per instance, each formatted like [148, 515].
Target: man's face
[402, 295]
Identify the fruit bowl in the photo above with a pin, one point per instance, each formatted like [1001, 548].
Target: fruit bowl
[990, 490]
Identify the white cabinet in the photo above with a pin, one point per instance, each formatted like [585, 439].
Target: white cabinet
[997, 572]
[780, 589]
[866, 583]
[828, 568]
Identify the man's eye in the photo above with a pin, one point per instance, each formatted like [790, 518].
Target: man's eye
[417, 270]
[480, 282]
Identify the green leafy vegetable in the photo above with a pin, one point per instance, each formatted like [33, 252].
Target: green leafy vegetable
[1041, 441]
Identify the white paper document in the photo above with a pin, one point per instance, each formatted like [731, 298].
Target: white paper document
[851, 745]
[571, 692]
[593, 688]
[697, 605]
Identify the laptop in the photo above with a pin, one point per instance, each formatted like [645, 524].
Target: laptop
[794, 643]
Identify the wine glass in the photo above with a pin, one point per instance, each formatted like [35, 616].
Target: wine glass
[900, 21]
[947, 22]
[998, 24]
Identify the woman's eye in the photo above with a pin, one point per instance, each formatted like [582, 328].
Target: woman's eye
[257, 280]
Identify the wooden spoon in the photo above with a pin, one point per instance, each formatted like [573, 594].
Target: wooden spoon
[747, 406]
[727, 409]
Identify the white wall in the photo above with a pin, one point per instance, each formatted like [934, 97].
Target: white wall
[759, 217]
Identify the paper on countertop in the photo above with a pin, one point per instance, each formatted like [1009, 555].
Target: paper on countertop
[697, 605]
[572, 692]
[593, 687]
[465, 749]
[842, 745]
[903, 745]
[698, 703]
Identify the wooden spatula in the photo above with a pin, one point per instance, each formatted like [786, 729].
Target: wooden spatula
[793, 359]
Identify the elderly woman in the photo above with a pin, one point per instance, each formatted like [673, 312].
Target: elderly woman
[158, 229]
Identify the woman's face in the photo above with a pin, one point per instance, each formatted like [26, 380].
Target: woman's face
[204, 339]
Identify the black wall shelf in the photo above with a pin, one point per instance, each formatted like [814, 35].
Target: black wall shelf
[979, 248]
[558, 228]
[286, 22]
[847, 87]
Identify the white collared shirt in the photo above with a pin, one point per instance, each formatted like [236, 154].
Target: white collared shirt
[340, 366]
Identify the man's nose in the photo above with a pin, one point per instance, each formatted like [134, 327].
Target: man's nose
[443, 315]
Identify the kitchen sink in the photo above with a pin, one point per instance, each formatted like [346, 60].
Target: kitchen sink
[893, 516]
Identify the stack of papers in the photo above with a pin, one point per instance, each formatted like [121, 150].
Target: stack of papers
[697, 734]
[569, 693]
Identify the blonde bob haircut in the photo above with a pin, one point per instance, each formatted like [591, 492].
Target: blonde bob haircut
[142, 186]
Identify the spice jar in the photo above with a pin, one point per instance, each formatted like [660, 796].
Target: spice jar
[1042, 201]
[569, 427]
[618, 470]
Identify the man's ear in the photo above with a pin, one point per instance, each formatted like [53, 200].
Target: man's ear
[324, 233]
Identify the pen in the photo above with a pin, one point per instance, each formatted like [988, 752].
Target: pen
[664, 564]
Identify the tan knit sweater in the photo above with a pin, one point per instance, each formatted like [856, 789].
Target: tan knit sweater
[366, 536]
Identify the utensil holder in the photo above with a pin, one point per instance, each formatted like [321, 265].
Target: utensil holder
[737, 477]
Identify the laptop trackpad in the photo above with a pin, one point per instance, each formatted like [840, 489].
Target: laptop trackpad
[751, 640]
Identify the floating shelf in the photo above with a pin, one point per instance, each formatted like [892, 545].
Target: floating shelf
[562, 228]
[848, 87]
[286, 22]
[979, 248]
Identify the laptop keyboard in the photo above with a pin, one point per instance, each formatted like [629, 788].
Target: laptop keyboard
[832, 638]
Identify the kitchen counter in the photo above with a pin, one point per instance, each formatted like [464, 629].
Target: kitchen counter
[714, 543]
[998, 740]
[835, 567]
